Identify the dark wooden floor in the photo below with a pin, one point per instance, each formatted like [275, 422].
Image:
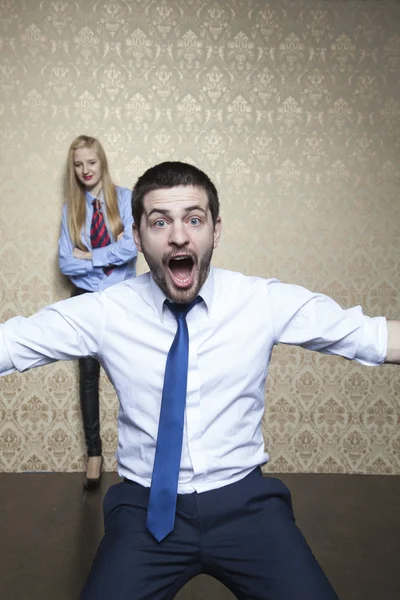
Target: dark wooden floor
[50, 530]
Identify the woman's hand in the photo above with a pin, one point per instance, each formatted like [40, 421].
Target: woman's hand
[81, 254]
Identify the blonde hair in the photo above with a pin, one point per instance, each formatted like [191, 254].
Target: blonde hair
[75, 193]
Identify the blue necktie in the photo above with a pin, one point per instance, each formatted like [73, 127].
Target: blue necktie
[164, 481]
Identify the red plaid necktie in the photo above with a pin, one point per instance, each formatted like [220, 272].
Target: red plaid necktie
[99, 236]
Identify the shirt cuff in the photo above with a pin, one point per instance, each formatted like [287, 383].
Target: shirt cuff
[90, 268]
[100, 257]
[6, 364]
[372, 349]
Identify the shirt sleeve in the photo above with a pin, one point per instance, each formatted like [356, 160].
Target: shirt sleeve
[124, 250]
[66, 330]
[69, 265]
[316, 322]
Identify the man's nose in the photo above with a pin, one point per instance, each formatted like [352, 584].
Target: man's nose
[178, 234]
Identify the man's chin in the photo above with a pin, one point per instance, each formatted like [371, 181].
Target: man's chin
[182, 295]
[176, 293]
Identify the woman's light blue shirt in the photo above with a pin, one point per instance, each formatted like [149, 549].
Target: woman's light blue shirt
[89, 274]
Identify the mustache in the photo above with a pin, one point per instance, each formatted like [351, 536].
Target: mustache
[176, 254]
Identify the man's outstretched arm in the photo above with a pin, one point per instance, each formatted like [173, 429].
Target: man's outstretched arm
[66, 330]
[393, 349]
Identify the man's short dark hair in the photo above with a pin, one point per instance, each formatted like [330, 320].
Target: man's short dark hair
[169, 175]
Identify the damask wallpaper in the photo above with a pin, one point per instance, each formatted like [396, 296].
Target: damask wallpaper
[293, 109]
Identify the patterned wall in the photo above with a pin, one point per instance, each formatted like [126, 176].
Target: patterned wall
[293, 108]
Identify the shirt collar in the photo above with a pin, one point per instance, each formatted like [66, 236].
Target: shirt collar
[206, 292]
[90, 198]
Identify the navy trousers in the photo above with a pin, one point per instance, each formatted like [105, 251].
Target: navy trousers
[243, 534]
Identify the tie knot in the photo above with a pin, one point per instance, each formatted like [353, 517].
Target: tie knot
[181, 310]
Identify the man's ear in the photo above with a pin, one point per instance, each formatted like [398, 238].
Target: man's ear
[136, 237]
[217, 231]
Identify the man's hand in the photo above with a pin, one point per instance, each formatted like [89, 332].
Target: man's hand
[393, 350]
[81, 254]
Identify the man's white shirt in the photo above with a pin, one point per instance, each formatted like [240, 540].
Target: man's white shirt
[129, 329]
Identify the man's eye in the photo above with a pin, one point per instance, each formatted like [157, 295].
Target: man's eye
[194, 221]
[160, 223]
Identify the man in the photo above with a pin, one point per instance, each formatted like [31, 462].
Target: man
[187, 348]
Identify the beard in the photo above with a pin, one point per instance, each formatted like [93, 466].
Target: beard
[159, 271]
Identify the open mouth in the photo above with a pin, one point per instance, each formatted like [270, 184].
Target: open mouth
[181, 270]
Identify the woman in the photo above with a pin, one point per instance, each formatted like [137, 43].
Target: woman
[96, 250]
